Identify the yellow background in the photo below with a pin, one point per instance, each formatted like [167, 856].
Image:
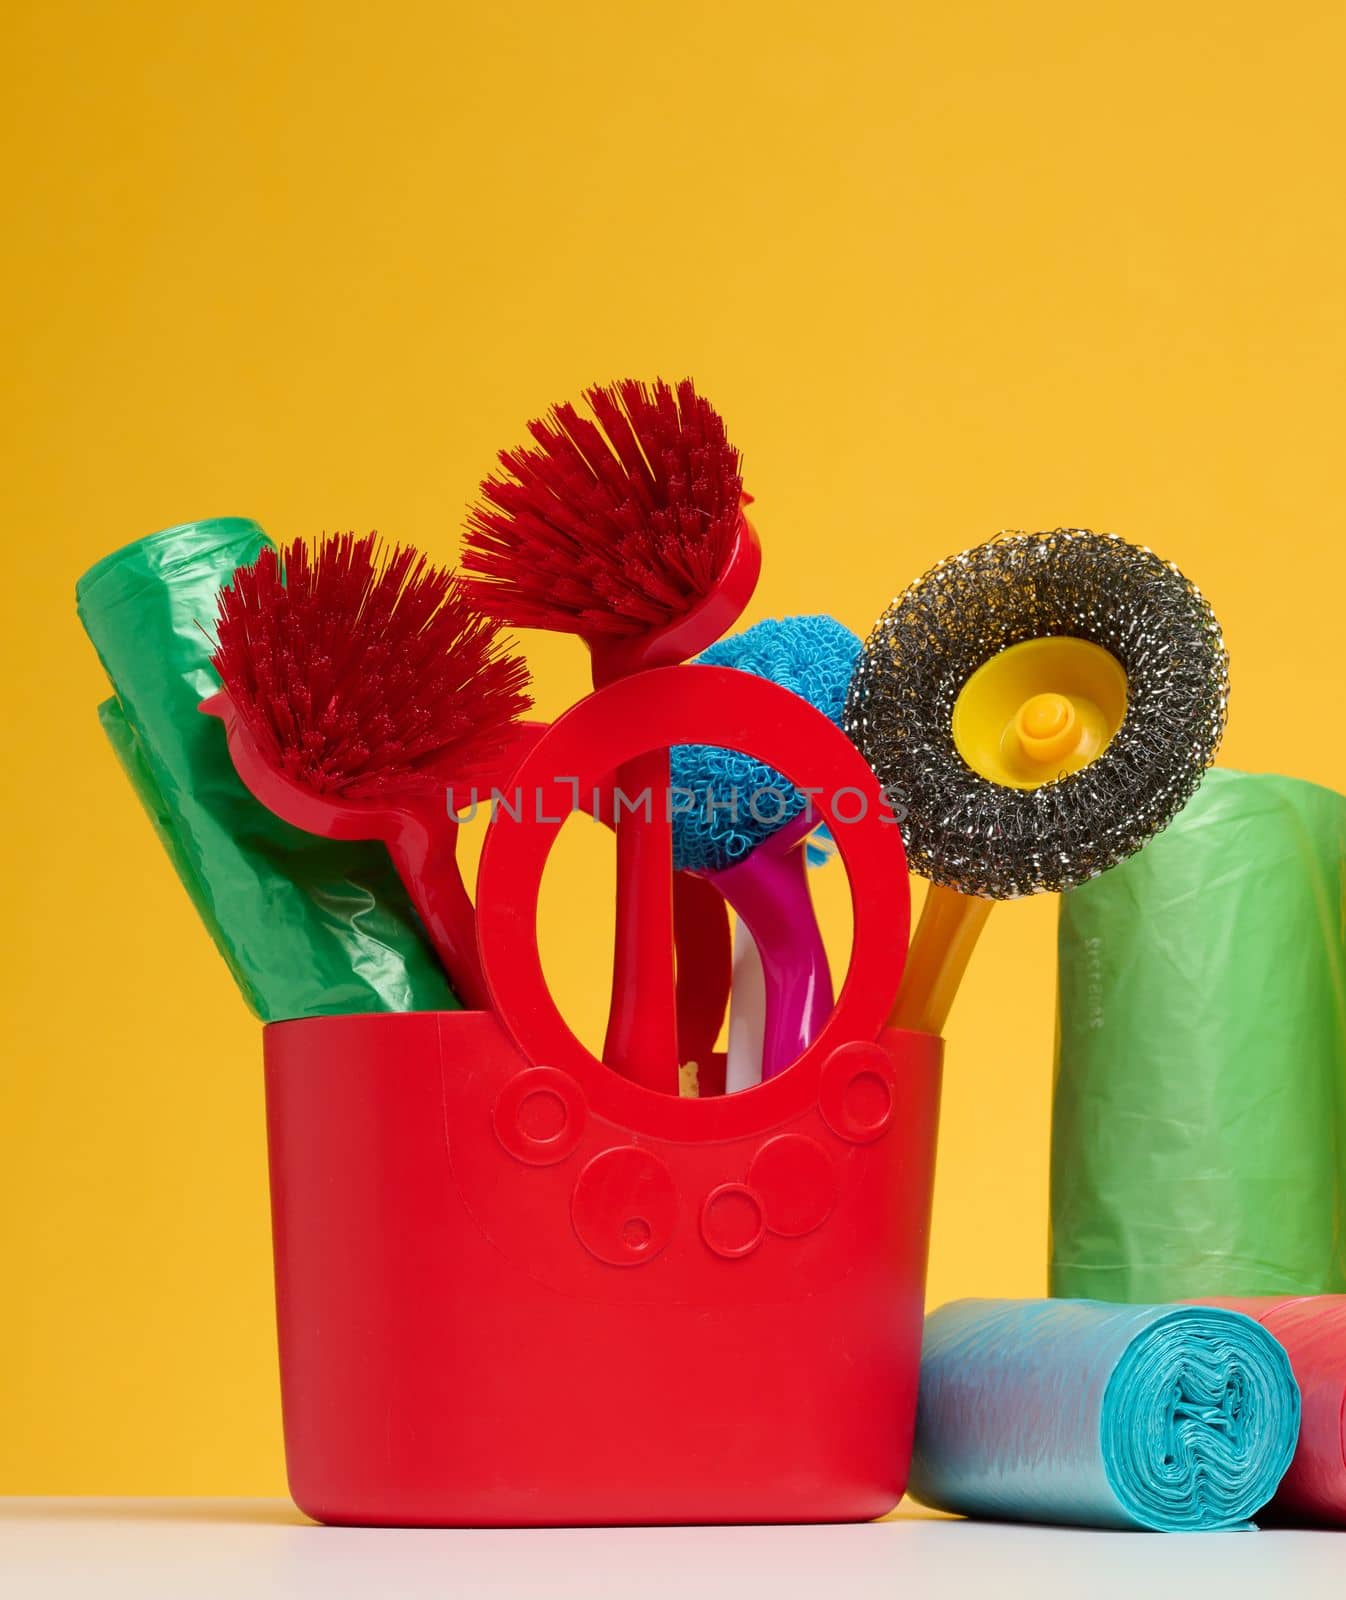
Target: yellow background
[945, 268]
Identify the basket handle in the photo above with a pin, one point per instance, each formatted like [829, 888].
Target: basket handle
[653, 710]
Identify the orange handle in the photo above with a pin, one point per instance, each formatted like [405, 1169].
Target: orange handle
[940, 951]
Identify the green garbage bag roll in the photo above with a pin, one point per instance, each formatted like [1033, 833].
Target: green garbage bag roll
[1199, 1117]
[308, 926]
[126, 747]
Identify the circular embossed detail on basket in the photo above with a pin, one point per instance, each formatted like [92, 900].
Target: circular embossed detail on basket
[732, 1221]
[539, 1115]
[797, 1183]
[625, 1206]
[856, 1092]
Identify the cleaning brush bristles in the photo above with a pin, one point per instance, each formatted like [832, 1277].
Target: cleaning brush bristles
[362, 671]
[611, 526]
[985, 838]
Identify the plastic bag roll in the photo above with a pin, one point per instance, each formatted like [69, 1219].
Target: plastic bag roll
[1199, 1118]
[1313, 1331]
[131, 759]
[308, 926]
[1174, 1418]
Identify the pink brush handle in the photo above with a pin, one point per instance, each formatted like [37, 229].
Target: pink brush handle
[770, 892]
[642, 1036]
[424, 851]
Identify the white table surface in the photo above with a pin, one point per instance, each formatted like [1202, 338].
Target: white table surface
[256, 1549]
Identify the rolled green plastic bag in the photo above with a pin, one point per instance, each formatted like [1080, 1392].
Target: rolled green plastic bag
[1172, 1418]
[309, 927]
[1199, 1117]
[126, 747]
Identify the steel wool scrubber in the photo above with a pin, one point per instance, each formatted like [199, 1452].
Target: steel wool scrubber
[1036, 708]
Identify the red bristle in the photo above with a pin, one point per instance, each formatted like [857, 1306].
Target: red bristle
[365, 673]
[609, 527]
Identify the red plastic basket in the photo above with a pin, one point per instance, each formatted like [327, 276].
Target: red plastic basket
[514, 1288]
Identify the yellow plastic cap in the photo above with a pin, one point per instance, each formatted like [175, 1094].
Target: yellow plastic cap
[1039, 710]
[1047, 727]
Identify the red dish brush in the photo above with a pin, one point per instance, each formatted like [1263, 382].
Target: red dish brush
[629, 531]
[360, 687]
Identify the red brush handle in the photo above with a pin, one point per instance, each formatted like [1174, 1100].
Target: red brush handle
[642, 1036]
[705, 968]
[424, 850]
[705, 958]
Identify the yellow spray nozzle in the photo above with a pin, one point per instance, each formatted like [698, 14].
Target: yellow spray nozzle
[1039, 710]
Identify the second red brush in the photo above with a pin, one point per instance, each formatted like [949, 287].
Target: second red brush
[628, 530]
[360, 687]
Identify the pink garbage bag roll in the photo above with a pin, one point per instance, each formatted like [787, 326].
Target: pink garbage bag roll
[1313, 1330]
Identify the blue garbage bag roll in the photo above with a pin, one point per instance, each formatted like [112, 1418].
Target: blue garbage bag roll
[1174, 1418]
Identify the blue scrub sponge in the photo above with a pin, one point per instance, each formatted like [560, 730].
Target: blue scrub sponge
[727, 803]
